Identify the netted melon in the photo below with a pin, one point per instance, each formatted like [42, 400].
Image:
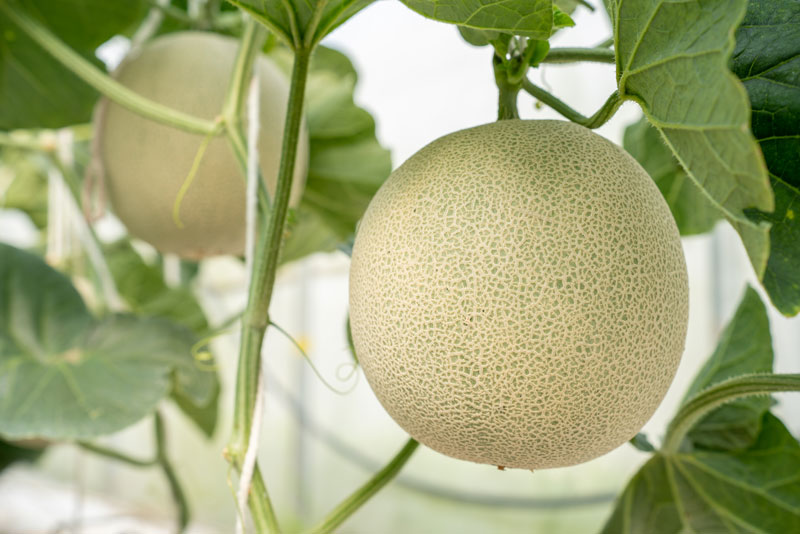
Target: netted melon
[518, 295]
[146, 162]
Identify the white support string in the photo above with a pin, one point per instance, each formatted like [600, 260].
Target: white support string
[252, 173]
[249, 463]
[73, 223]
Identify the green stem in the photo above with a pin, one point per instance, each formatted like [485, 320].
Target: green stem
[265, 262]
[506, 89]
[250, 43]
[572, 55]
[172, 12]
[339, 514]
[595, 121]
[115, 455]
[719, 394]
[101, 81]
[169, 472]
[261, 506]
[26, 142]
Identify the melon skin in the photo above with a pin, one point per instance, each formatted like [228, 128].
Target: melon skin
[518, 295]
[146, 163]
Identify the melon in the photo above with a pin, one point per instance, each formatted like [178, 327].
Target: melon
[518, 295]
[146, 162]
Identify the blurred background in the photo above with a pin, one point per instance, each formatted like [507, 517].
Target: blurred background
[316, 445]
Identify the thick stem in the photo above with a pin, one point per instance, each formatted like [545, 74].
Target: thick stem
[339, 514]
[572, 55]
[169, 472]
[602, 115]
[102, 82]
[719, 394]
[507, 91]
[256, 316]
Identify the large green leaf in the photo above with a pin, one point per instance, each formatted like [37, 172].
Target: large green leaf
[744, 347]
[529, 18]
[671, 59]
[751, 491]
[309, 20]
[66, 375]
[767, 60]
[693, 211]
[35, 89]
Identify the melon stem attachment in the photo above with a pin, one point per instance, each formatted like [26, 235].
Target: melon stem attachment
[507, 90]
[198, 158]
[709, 399]
[602, 115]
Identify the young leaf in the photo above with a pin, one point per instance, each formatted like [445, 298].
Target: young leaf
[744, 347]
[528, 18]
[756, 490]
[300, 23]
[23, 184]
[36, 90]
[671, 59]
[693, 211]
[65, 375]
[767, 60]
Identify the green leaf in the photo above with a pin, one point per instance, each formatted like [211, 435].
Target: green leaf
[767, 60]
[528, 18]
[301, 21]
[19, 451]
[641, 442]
[35, 89]
[671, 59]
[196, 385]
[65, 375]
[693, 211]
[144, 290]
[745, 346]
[205, 416]
[752, 491]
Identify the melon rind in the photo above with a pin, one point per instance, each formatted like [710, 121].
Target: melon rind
[146, 163]
[519, 295]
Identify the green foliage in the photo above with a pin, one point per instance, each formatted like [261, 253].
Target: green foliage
[767, 60]
[671, 59]
[67, 375]
[693, 211]
[744, 347]
[738, 471]
[36, 90]
[300, 23]
[142, 286]
[528, 18]
[755, 490]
